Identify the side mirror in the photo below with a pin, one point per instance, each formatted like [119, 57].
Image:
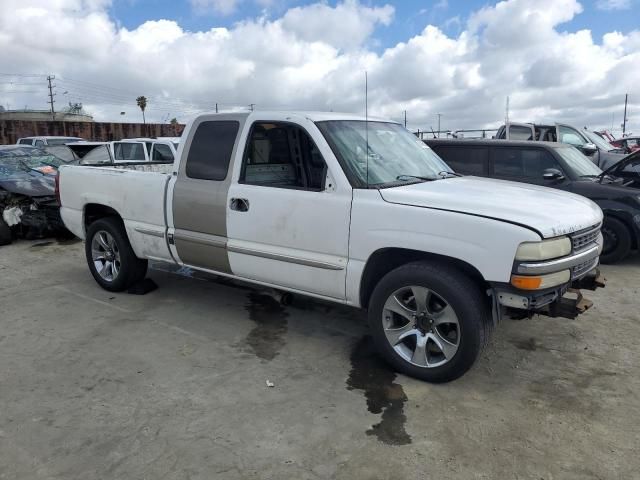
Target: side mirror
[552, 174]
[589, 148]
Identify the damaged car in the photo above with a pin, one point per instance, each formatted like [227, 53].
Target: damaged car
[27, 194]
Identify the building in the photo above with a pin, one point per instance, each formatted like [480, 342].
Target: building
[44, 115]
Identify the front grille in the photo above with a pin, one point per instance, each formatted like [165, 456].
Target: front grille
[583, 239]
[583, 268]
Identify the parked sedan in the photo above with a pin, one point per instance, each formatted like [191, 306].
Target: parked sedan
[559, 166]
[28, 205]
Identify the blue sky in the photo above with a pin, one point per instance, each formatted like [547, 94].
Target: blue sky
[410, 15]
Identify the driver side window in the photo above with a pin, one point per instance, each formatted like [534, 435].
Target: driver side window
[282, 155]
[570, 136]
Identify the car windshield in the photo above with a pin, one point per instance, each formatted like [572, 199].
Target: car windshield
[580, 165]
[598, 141]
[18, 159]
[394, 155]
[61, 141]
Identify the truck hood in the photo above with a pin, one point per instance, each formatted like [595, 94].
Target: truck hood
[30, 184]
[547, 211]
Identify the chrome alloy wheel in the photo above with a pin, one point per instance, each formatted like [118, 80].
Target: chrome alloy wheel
[105, 255]
[421, 326]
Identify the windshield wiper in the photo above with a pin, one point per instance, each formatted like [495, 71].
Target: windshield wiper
[445, 174]
[409, 177]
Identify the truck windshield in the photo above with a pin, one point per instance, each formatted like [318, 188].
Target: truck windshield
[598, 141]
[394, 156]
[580, 165]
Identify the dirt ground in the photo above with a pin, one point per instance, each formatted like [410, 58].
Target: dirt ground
[173, 385]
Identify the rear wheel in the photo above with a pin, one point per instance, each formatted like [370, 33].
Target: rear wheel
[429, 321]
[111, 259]
[617, 240]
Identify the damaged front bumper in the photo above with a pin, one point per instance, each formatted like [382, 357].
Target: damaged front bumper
[31, 217]
[565, 301]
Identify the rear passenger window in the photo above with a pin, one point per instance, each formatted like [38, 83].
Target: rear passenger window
[26, 141]
[162, 153]
[522, 162]
[211, 149]
[129, 152]
[282, 155]
[465, 160]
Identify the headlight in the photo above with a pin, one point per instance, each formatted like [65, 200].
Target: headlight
[544, 250]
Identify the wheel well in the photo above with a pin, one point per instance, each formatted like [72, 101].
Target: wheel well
[95, 211]
[384, 260]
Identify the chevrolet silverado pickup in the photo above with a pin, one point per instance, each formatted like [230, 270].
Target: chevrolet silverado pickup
[350, 210]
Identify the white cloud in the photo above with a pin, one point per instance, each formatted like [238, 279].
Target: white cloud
[314, 57]
[346, 25]
[223, 7]
[613, 4]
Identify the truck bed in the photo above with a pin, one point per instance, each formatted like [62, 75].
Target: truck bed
[136, 192]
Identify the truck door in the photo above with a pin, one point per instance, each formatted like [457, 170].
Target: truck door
[289, 210]
[571, 136]
[520, 131]
[199, 199]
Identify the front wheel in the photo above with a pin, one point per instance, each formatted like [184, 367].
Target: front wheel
[429, 321]
[111, 259]
[617, 240]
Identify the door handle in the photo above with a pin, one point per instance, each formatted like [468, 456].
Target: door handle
[239, 204]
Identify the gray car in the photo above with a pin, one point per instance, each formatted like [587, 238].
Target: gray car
[603, 154]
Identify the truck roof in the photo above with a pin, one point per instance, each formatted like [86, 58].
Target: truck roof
[314, 116]
[47, 137]
[493, 141]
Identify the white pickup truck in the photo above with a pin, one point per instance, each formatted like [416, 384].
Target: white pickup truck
[349, 210]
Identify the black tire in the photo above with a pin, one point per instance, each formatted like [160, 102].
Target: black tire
[460, 292]
[617, 240]
[5, 233]
[131, 268]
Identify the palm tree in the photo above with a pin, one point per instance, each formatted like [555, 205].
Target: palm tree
[142, 103]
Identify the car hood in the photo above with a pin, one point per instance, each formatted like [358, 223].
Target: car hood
[548, 211]
[30, 184]
[609, 159]
[632, 159]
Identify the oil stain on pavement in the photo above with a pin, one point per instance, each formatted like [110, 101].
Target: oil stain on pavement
[267, 337]
[370, 374]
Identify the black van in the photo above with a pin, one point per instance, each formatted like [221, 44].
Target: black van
[556, 165]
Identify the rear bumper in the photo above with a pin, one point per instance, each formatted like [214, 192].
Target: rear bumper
[565, 301]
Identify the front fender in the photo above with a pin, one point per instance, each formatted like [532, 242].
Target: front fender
[488, 245]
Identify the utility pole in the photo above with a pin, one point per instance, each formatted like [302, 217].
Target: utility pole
[624, 119]
[439, 115]
[506, 112]
[51, 95]
[216, 107]
[405, 119]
